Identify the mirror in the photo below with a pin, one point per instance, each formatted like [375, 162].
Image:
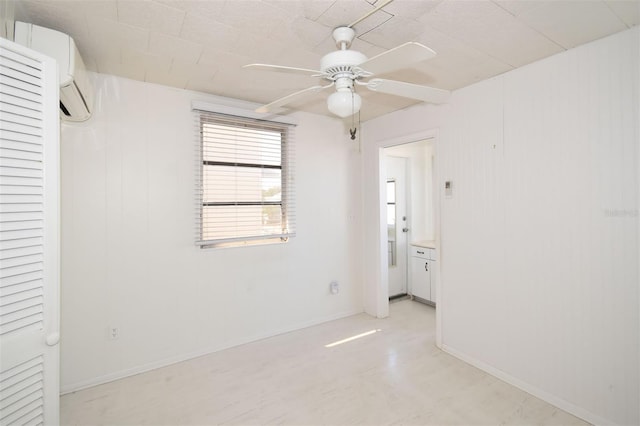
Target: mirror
[391, 221]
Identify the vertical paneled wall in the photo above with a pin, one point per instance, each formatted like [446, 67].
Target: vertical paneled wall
[129, 259]
[539, 259]
[571, 170]
[540, 248]
[539, 241]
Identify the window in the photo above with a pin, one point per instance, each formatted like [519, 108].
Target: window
[245, 182]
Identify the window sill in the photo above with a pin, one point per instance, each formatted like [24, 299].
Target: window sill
[248, 243]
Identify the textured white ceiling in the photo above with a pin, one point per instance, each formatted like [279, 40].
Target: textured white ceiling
[202, 45]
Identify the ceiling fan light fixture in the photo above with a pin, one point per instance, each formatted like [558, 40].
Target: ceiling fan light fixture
[344, 103]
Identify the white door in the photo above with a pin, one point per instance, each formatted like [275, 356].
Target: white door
[29, 268]
[397, 224]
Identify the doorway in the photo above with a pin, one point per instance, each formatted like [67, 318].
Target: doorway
[409, 209]
[397, 225]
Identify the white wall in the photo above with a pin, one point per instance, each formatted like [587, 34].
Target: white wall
[539, 244]
[128, 253]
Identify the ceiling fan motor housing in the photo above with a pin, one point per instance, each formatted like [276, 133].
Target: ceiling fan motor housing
[341, 61]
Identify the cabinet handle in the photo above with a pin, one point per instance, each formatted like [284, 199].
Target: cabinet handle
[426, 266]
[420, 252]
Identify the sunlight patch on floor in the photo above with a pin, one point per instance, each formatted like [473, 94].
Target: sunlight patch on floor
[349, 339]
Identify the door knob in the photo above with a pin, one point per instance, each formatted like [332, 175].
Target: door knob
[53, 339]
[405, 229]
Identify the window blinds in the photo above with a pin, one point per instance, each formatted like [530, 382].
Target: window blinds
[245, 185]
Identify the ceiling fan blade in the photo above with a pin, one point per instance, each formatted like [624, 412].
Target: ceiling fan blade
[409, 90]
[289, 98]
[280, 68]
[397, 58]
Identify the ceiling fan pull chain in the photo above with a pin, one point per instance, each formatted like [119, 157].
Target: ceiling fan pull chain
[360, 138]
[353, 129]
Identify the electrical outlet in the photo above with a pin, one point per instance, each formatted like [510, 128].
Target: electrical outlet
[114, 333]
[334, 287]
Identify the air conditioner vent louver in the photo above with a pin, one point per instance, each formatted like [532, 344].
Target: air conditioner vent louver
[64, 110]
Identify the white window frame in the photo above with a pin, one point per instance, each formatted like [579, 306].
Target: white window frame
[243, 119]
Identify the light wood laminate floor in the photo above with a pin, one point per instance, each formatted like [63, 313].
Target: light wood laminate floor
[394, 375]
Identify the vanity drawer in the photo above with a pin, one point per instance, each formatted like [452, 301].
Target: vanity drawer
[421, 252]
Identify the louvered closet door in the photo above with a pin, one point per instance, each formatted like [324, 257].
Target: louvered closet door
[29, 319]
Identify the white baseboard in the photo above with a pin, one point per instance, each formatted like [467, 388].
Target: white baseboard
[73, 387]
[539, 393]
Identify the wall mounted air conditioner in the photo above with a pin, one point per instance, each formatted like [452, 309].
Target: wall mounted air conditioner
[76, 92]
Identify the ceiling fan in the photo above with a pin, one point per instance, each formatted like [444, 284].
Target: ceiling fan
[348, 69]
